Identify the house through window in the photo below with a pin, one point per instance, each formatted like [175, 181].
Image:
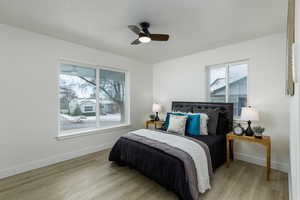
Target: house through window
[228, 83]
[91, 97]
[90, 108]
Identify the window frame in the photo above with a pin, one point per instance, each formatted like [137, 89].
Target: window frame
[87, 131]
[227, 66]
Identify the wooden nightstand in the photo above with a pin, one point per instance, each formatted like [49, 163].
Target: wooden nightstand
[157, 124]
[265, 141]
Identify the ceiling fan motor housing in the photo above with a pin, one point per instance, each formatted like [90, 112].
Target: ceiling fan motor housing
[145, 26]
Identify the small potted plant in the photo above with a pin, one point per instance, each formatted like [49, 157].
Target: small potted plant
[258, 131]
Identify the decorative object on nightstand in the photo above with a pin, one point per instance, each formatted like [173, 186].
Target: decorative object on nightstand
[157, 124]
[249, 114]
[156, 108]
[238, 130]
[265, 141]
[152, 117]
[258, 131]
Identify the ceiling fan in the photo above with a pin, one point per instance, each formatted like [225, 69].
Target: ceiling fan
[144, 35]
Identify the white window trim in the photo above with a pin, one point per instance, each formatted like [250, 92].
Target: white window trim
[226, 65]
[94, 130]
[85, 132]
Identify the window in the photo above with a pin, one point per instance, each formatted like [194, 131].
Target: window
[89, 108]
[228, 83]
[91, 97]
[112, 98]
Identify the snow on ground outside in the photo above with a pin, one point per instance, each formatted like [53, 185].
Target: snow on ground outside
[107, 117]
[68, 122]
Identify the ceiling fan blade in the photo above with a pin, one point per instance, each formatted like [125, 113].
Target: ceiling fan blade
[134, 29]
[159, 37]
[135, 42]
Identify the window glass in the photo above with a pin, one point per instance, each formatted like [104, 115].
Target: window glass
[238, 86]
[112, 98]
[77, 97]
[228, 83]
[217, 84]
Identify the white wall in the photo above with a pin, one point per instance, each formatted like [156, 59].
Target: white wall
[28, 85]
[29, 99]
[295, 119]
[183, 79]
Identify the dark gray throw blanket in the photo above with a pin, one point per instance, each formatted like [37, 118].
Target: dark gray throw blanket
[189, 165]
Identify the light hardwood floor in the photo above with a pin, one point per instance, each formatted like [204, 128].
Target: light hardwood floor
[92, 177]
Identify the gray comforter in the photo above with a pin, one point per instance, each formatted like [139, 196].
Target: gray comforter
[189, 165]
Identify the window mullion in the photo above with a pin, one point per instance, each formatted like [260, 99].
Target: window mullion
[97, 98]
[227, 83]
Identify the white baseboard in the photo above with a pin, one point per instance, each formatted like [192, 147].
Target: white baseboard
[284, 167]
[52, 160]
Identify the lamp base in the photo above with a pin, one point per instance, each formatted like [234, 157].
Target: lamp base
[156, 117]
[249, 131]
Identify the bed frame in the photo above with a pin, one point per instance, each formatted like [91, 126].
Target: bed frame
[169, 170]
[225, 110]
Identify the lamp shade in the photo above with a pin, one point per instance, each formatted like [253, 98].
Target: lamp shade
[156, 107]
[249, 114]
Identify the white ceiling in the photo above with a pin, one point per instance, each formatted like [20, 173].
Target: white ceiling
[193, 25]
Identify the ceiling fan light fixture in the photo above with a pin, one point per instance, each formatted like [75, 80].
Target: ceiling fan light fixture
[145, 39]
[144, 36]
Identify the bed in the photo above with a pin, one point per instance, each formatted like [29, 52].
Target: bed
[169, 169]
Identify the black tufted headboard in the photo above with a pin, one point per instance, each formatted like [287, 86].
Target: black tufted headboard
[225, 110]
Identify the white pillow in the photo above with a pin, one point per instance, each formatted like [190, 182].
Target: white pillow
[203, 123]
[177, 124]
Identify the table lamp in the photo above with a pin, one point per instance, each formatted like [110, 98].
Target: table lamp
[156, 108]
[249, 114]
